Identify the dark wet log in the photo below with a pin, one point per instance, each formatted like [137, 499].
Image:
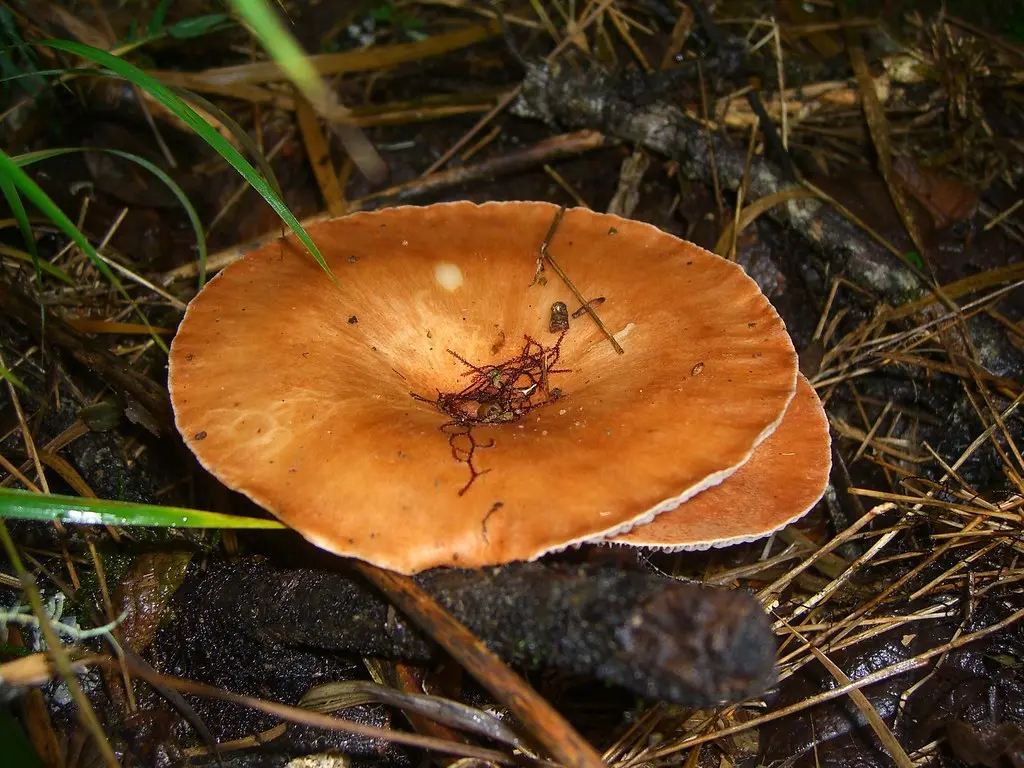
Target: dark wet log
[592, 99]
[657, 637]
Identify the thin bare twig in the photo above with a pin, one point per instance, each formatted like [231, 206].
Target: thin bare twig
[586, 304]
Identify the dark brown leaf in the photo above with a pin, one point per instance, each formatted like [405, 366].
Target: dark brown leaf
[948, 200]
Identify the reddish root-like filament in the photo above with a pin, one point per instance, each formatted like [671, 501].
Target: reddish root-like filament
[497, 394]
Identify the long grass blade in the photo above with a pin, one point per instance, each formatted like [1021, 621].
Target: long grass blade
[70, 510]
[244, 139]
[290, 57]
[50, 72]
[284, 49]
[175, 104]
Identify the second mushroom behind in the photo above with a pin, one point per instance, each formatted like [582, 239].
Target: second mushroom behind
[781, 482]
[359, 435]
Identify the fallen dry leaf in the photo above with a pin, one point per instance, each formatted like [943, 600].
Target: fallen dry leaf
[948, 200]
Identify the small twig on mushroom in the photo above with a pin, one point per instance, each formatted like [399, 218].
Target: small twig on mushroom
[586, 305]
[545, 255]
[543, 251]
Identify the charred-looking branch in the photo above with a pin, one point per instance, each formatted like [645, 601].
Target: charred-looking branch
[685, 643]
[563, 96]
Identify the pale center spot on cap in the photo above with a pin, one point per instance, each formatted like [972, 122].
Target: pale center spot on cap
[448, 276]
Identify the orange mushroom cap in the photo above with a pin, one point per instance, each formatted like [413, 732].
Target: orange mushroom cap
[297, 391]
[782, 481]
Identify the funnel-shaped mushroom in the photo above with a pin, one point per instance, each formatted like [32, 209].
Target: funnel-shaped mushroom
[781, 482]
[299, 392]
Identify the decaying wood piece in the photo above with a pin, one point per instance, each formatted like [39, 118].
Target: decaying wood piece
[569, 98]
[659, 638]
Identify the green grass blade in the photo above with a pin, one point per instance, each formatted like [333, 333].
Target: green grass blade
[284, 49]
[173, 102]
[7, 373]
[194, 98]
[18, 212]
[34, 193]
[236, 130]
[156, 21]
[264, 23]
[197, 225]
[25, 505]
[50, 72]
